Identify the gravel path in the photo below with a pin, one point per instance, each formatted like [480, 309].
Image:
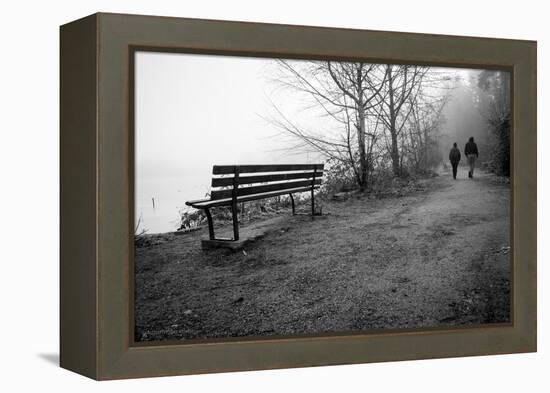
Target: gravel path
[433, 258]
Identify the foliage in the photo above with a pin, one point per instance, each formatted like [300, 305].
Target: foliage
[191, 218]
[494, 104]
[500, 164]
[338, 176]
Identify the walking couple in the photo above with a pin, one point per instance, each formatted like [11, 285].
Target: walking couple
[470, 150]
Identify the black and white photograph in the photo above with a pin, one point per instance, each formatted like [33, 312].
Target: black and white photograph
[275, 197]
[292, 197]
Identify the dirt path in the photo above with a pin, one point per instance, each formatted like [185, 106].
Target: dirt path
[434, 258]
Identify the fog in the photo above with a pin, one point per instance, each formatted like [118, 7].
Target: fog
[195, 111]
[462, 118]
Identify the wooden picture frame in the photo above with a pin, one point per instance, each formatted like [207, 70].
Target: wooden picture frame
[97, 192]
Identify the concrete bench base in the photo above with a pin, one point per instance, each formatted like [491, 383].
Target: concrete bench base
[233, 245]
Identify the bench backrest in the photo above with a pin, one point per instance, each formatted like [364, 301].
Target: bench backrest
[230, 181]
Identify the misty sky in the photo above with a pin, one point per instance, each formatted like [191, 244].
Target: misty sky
[194, 111]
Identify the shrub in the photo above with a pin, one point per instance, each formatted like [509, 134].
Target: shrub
[500, 163]
[337, 177]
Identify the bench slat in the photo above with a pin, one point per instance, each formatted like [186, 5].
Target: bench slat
[227, 201]
[196, 201]
[228, 169]
[261, 189]
[228, 181]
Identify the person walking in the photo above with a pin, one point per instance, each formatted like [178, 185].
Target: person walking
[470, 150]
[454, 157]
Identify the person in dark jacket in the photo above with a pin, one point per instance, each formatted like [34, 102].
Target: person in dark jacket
[454, 157]
[470, 150]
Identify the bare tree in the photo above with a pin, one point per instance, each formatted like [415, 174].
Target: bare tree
[386, 115]
[423, 125]
[345, 92]
[402, 83]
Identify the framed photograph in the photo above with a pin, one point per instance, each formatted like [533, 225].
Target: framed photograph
[243, 196]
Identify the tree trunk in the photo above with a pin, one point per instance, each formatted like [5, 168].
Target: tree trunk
[363, 169]
[394, 142]
[395, 153]
[426, 158]
[393, 130]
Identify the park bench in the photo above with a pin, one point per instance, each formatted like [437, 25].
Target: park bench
[259, 182]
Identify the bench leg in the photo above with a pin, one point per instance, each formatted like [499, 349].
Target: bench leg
[210, 224]
[312, 203]
[293, 207]
[235, 222]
